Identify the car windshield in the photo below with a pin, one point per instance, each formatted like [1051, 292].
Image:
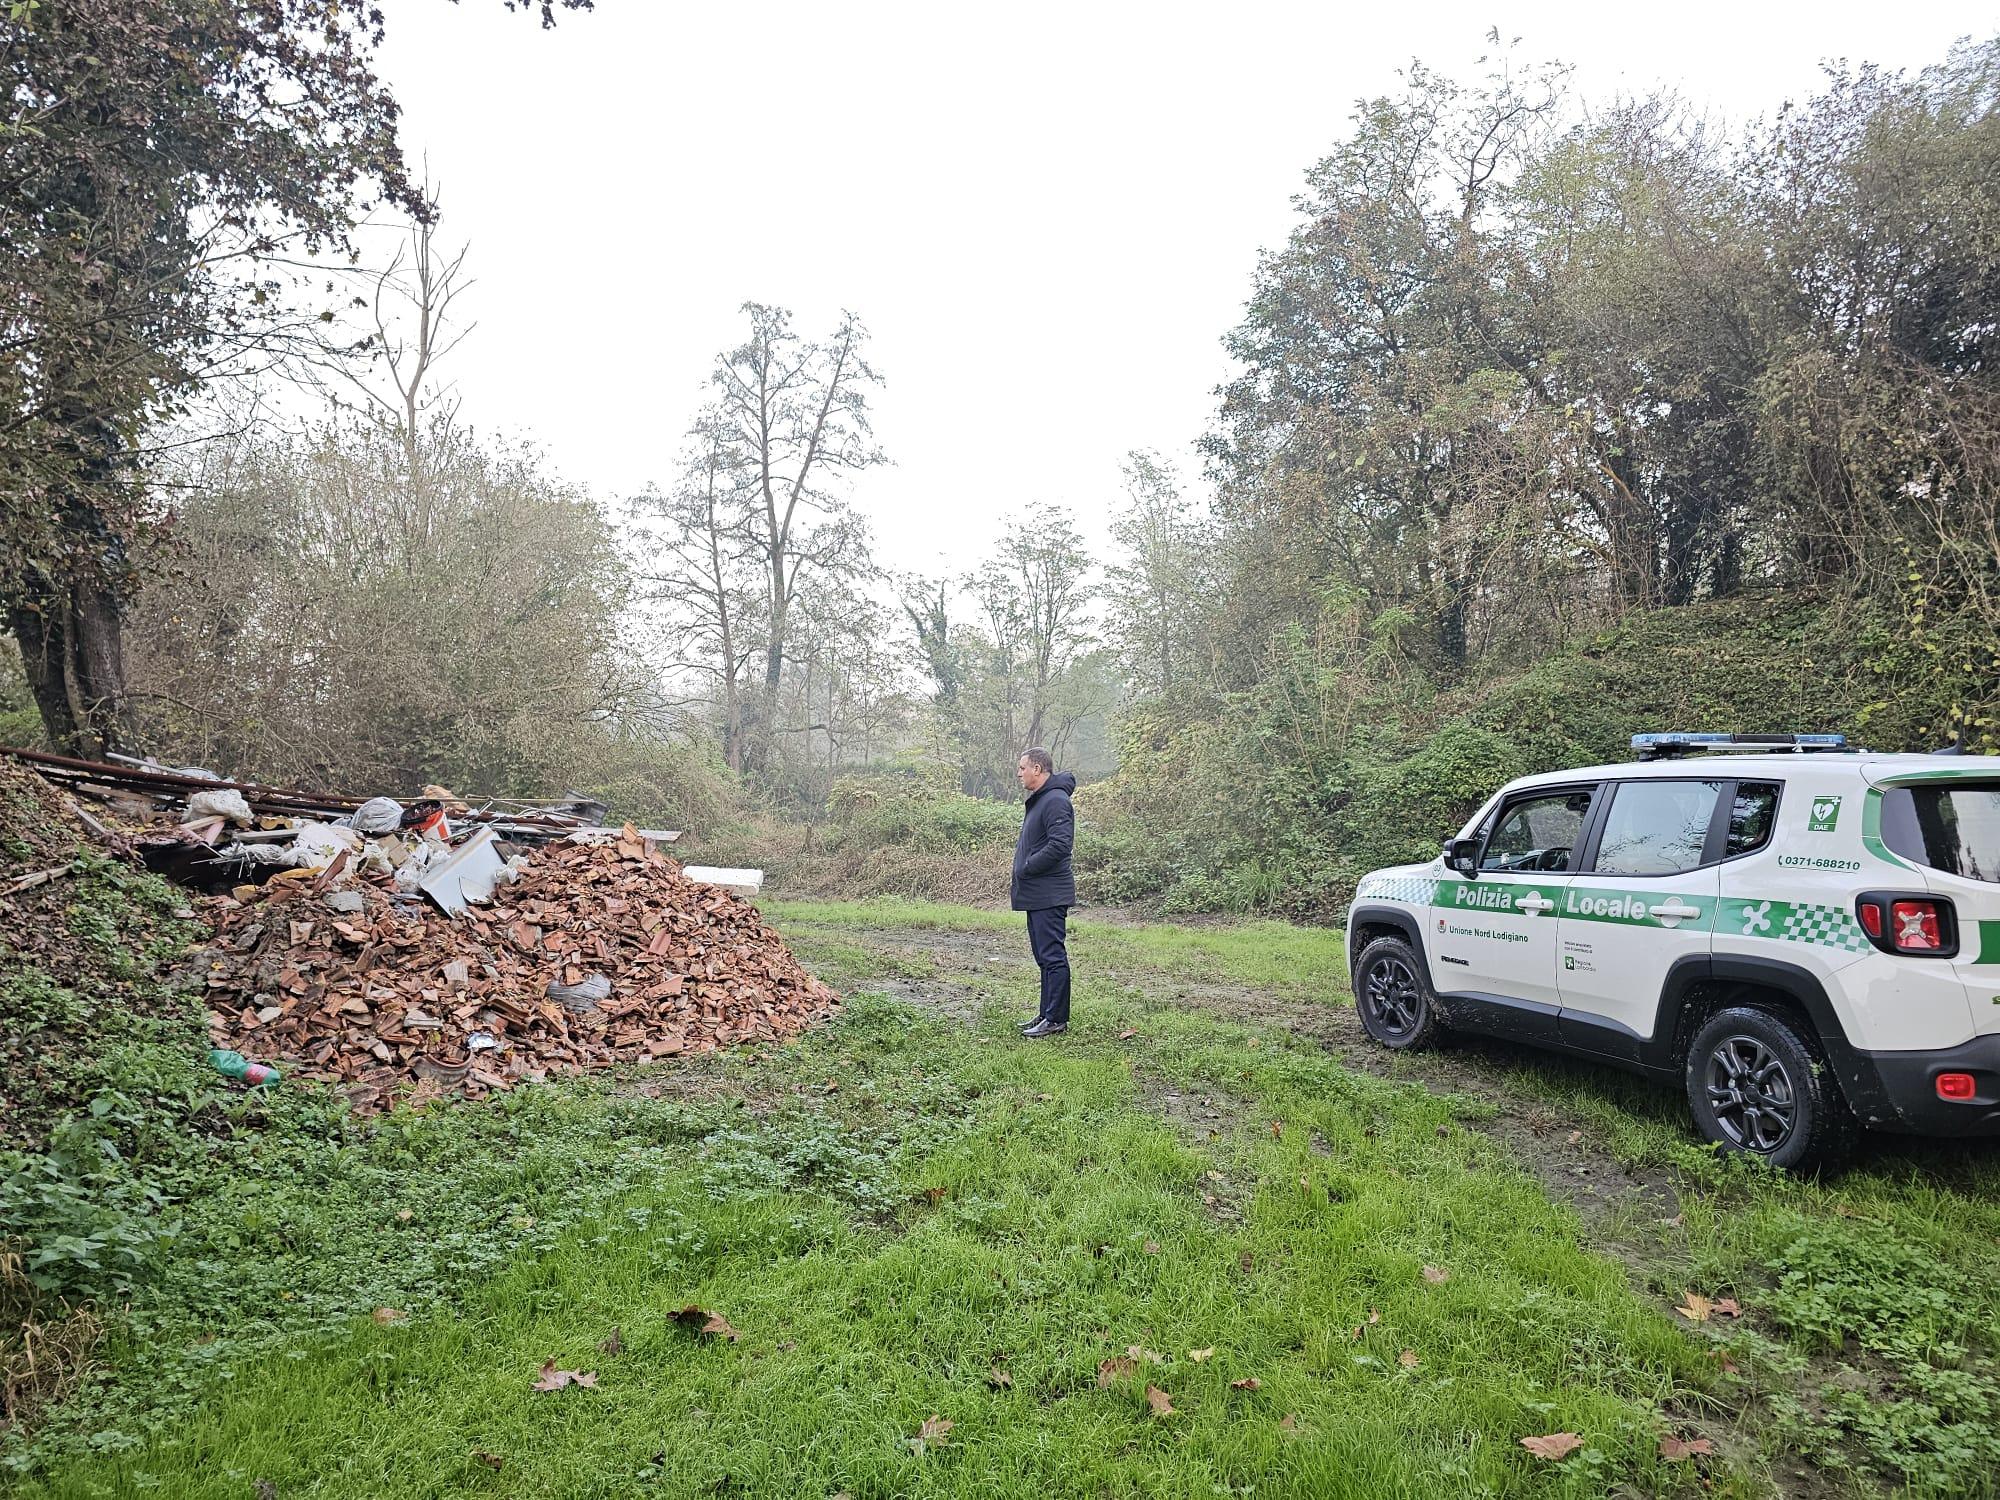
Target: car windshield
[1953, 828]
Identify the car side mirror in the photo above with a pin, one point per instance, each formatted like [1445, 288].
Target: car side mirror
[1462, 855]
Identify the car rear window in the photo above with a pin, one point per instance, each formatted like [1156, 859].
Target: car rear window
[1954, 828]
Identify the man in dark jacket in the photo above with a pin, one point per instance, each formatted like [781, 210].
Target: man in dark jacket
[1044, 888]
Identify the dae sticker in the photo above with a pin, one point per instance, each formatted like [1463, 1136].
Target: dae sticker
[1825, 813]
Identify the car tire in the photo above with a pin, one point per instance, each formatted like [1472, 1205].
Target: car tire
[1393, 995]
[1759, 1086]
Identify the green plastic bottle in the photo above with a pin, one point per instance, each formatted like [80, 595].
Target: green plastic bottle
[236, 1065]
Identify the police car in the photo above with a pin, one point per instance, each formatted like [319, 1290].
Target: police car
[1806, 936]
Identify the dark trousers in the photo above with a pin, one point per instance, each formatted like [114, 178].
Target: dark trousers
[1047, 930]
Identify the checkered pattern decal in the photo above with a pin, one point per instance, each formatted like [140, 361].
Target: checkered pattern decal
[1828, 926]
[1412, 890]
[1805, 922]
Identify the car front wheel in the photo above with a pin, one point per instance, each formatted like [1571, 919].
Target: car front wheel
[1392, 992]
[1758, 1085]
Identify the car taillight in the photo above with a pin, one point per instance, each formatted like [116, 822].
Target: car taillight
[1908, 922]
[1956, 1086]
[1914, 927]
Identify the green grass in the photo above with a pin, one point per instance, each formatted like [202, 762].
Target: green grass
[865, 1307]
[1272, 955]
[897, 1205]
[1886, 1276]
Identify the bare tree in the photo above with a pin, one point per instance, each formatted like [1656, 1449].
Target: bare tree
[1034, 598]
[410, 307]
[702, 573]
[795, 415]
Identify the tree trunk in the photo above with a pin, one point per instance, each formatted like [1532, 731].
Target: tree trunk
[74, 656]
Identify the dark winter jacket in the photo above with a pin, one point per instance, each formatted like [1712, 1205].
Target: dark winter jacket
[1042, 875]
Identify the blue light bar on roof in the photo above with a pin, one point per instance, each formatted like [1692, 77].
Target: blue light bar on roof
[1681, 742]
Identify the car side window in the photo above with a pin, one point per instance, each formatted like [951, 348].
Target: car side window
[1537, 833]
[1750, 817]
[1657, 827]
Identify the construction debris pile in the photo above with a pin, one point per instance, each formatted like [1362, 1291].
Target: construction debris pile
[593, 954]
[370, 944]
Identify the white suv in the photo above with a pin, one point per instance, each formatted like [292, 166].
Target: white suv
[1807, 936]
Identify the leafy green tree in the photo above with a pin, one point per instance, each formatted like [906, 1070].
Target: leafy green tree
[163, 163]
[1160, 584]
[1383, 432]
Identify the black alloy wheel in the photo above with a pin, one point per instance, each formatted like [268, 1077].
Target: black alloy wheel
[1758, 1084]
[1755, 1103]
[1393, 995]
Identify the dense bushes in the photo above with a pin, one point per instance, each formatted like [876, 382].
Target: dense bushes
[1299, 786]
[919, 808]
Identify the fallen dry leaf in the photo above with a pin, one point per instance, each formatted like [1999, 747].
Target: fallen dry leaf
[1556, 1445]
[1151, 1247]
[403, 1216]
[1436, 1275]
[613, 1345]
[1135, 1352]
[1127, 1034]
[1201, 1355]
[705, 1323]
[931, 1435]
[1112, 1370]
[1277, 1130]
[1246, 1261]
[1678, 1450]
[1575, 1136]
[1288, 1423]
[934, 1194]
[387, 1315]
[491, 1460]
[1407, 1359]
[1695, 1307]
[552, 1379]
[999, 1379]
[1728, 1307]
[1158, 1399]
[1247, 1383]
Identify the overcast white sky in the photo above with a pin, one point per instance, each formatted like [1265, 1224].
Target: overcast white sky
[1047, 214]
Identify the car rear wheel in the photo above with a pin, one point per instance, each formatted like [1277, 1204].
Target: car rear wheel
[1759, 1086]
[1393, 995]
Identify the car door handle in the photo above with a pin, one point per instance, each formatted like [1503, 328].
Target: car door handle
[1674, 912]
[1534, 903]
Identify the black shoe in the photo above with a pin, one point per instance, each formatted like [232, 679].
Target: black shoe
[1044, 1028]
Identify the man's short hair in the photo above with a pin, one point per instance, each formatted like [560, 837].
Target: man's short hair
[1039, 758]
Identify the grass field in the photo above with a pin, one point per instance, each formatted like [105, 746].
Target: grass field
[1207, 1244]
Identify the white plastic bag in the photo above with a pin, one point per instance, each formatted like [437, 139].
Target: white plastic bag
[223, 803]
